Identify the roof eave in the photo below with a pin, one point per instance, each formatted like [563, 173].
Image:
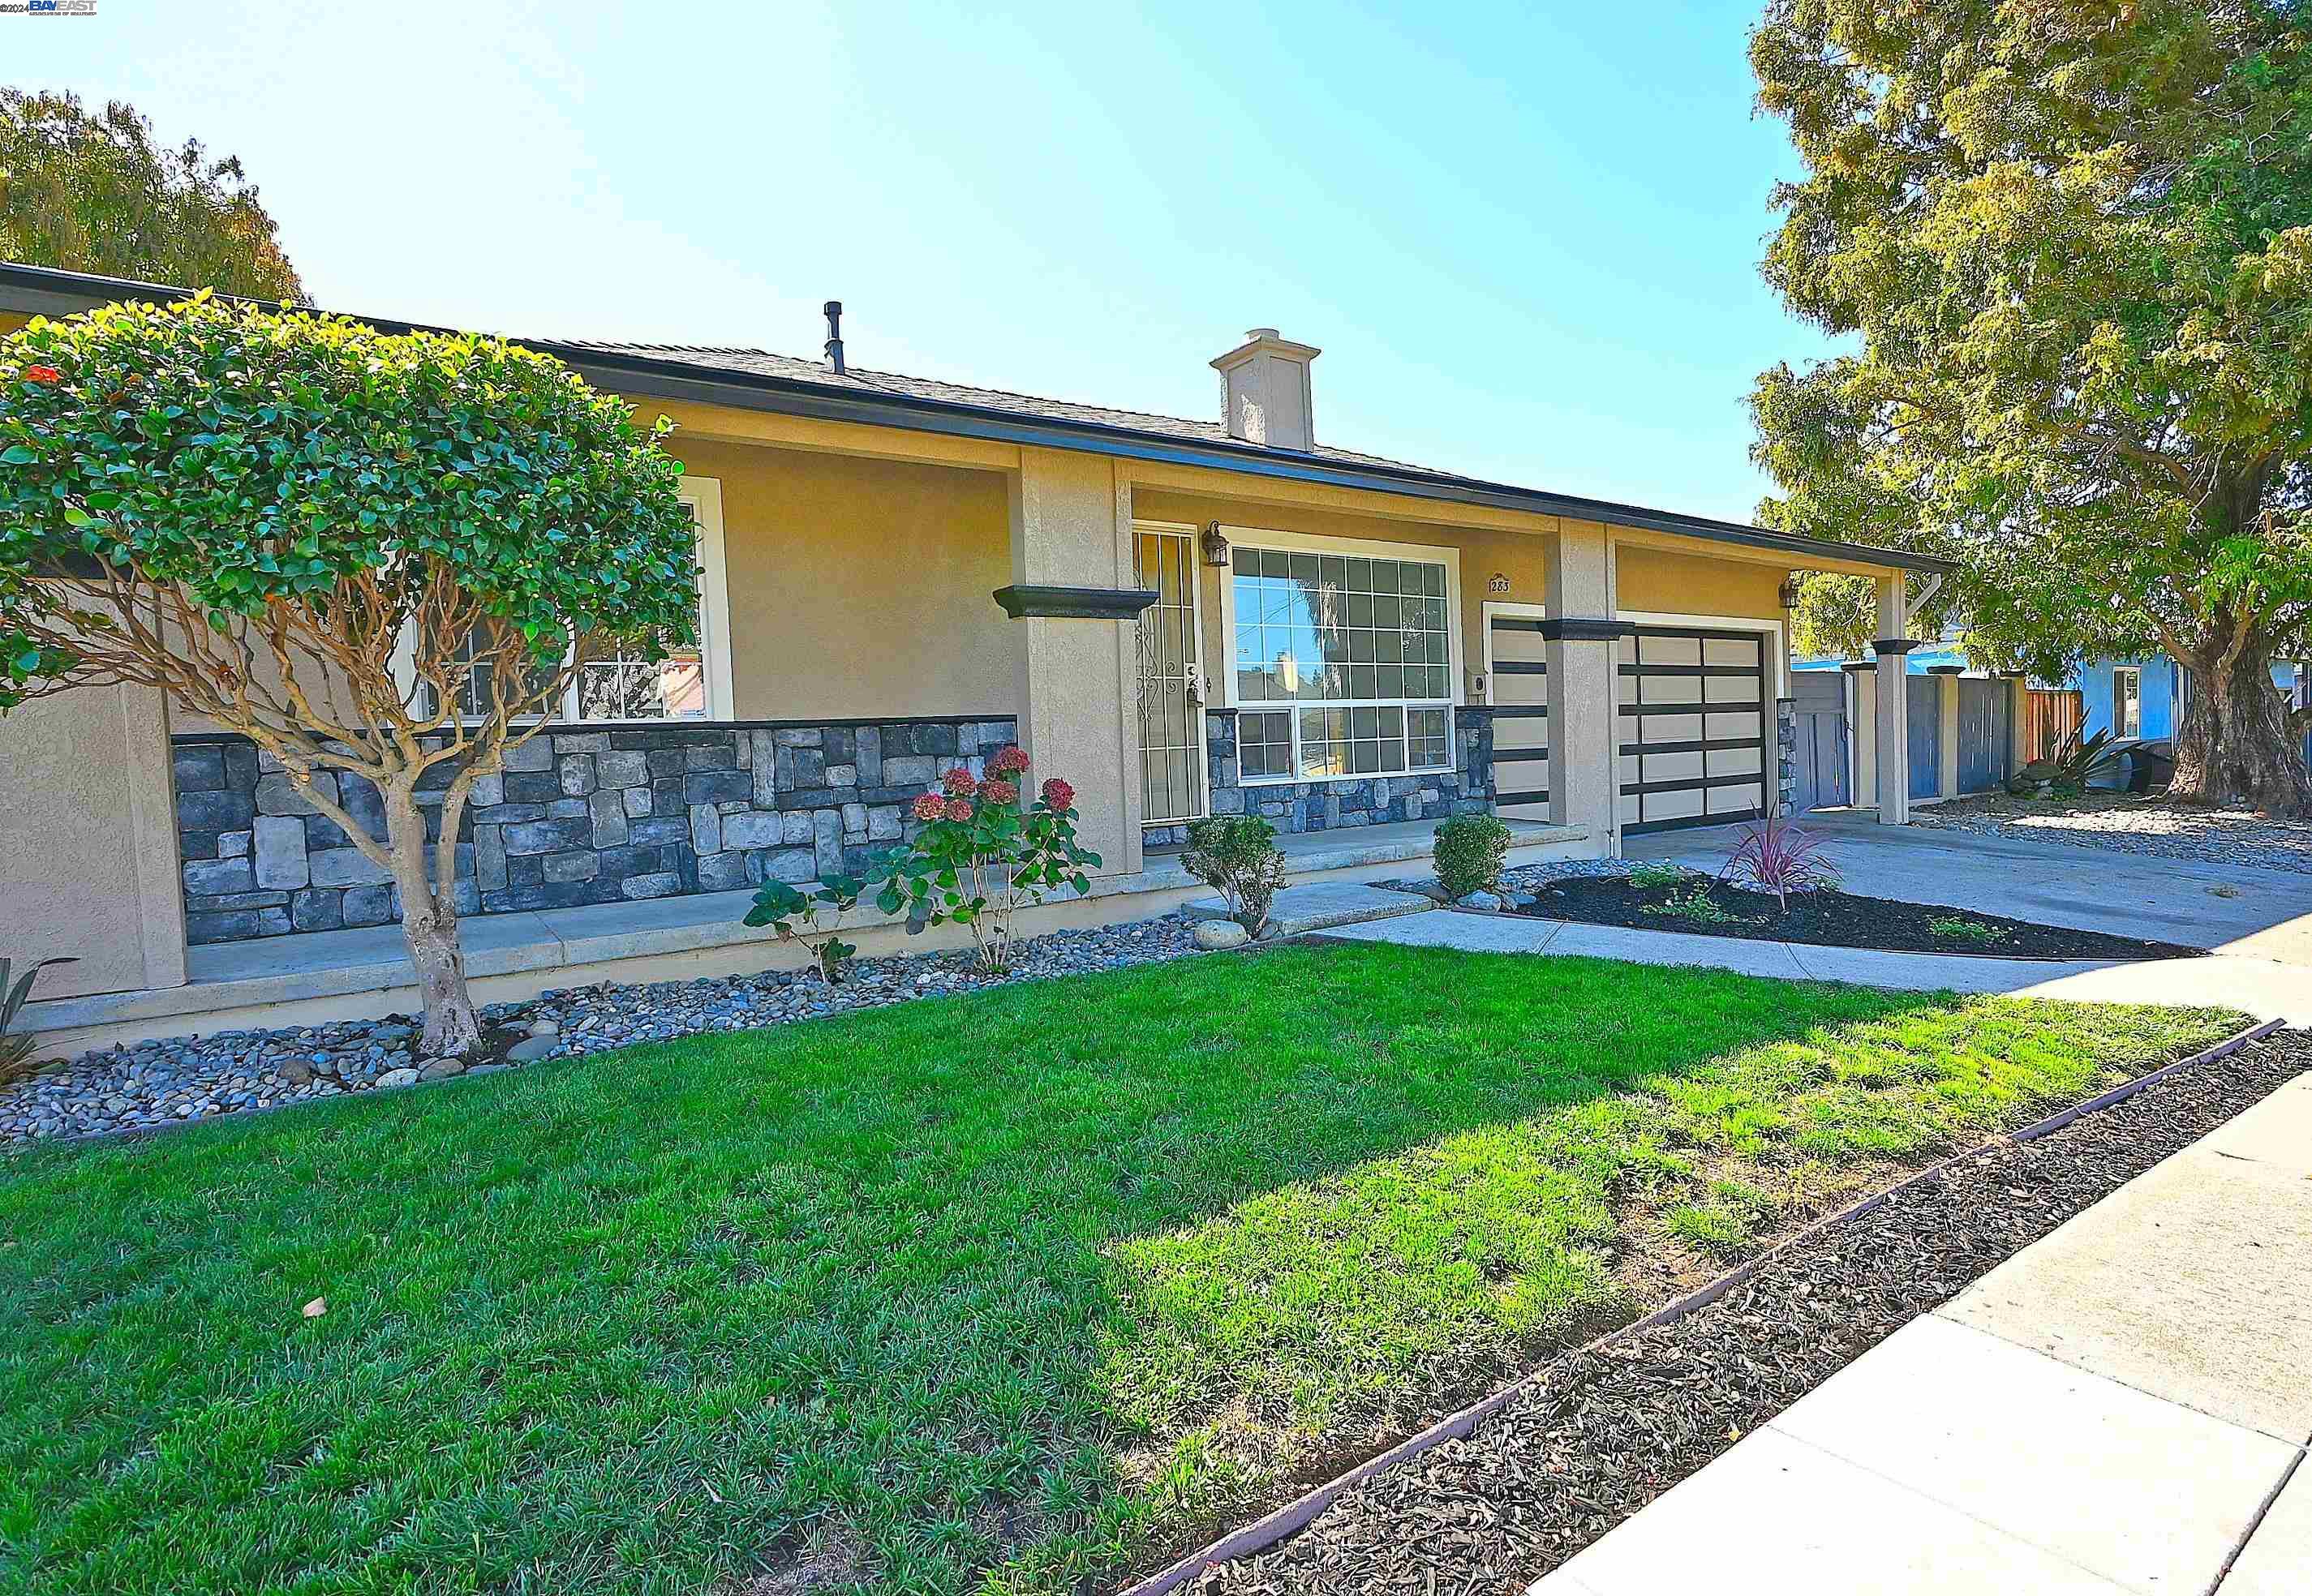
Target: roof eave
[45, 290]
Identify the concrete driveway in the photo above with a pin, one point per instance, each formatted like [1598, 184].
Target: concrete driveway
[2262, 914]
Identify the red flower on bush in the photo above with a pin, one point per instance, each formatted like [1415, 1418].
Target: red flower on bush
[930, 805]
[997, 790]
[1009, 761]
[1058, 794]
[959, 784]
[958, 809]
[42, 374]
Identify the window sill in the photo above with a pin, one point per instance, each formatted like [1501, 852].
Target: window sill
[1434, 769]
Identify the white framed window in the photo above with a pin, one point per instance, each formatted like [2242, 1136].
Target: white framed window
[1344, 656]
[690, 684]
[2127, 701]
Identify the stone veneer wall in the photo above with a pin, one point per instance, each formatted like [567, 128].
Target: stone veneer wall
[578, 816]
[1786, 752]
[1366, 801]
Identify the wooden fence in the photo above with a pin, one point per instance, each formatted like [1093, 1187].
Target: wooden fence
[2050, 715]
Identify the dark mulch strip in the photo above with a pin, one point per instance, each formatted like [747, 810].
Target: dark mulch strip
[1609, 1430]
[1832, 920]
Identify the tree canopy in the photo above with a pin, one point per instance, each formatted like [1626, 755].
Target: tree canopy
[96, 193]
[2073, 242]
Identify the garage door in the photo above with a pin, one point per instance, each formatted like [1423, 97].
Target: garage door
[1695, 725]
[1518, 676]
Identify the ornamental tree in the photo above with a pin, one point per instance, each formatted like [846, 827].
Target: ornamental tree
[376, 555]
[2072, 243]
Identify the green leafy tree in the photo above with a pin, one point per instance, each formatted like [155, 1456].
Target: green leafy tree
[1837, 614]
[95, 193]
[374, 556]
[2073, 241]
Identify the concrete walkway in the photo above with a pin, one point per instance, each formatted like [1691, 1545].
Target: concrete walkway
[2265, 988]
[2123, 1407]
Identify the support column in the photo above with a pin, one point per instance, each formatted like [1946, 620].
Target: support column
[1581, 641]
[1947, 678]
[1073, 598]
[2018, 732]
[1861, 731]
[1893, 718]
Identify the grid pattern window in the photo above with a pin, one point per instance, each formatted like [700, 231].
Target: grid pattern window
[2127, 703]
[1263, 746]
[1359, 646]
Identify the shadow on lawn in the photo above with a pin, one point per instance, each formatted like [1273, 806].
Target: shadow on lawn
[1039, 1276]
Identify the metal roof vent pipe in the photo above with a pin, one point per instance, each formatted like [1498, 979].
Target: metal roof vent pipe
[834, 309]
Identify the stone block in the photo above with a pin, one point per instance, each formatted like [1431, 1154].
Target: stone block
[363, 802]
[885, 823]
[794, 826]
[659, 830]
[577, 774]
[239, 925]
[827, 840]
[210, 877]
[721, 872]
[763, 768]
[710, 756]
[317, 910]
[233, 844]
[842, 775]
[199, 766]
[912, 769]
[636, 800]
[532, 787]
[240, 771]
[279, 850]
[345, 867]
[509, 813]
[751, 828]
[809, 765]
[489, 856]
[534, 756]
[369, 906]
[622, 770]
[197, 902]
[197, 844]
[214, 811]
[608, 816]
[662, 884]
[665, 764]
[705, 828]
[524, 870]
[579, 865]
[486, 791]
[744, 743]
[571, 808]
[790, 865]
[797, 737]
[715, 786]
[867, 754]
[545, 836]
[567, 743]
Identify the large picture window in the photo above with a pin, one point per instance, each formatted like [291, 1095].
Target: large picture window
[1343, 664]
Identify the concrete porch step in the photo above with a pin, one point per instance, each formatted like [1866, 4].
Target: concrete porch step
[1322, 904]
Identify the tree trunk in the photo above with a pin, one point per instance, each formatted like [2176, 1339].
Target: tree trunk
[2235, 743]
[429, 925]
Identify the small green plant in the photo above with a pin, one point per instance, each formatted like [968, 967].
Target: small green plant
[16, 1051]
[812, 920]
[1237, 856]
[1955, 928]
[1654, 872]
[1470, 852]
[1696, 905]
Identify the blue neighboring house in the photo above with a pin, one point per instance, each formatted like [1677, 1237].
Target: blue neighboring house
[2139, 698]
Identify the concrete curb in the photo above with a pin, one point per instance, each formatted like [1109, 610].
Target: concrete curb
[1296, 1514]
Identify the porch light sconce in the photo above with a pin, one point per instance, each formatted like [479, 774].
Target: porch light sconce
[1214, 545]
[1789, 592]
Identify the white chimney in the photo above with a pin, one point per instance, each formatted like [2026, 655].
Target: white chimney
[1265, 385]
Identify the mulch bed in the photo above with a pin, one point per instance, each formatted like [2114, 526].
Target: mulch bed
[1609, 1430]
[1830, 920]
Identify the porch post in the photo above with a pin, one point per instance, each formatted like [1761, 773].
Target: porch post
[1893, 708]
[1580, 641]
[1072, 574]
[1946, 726]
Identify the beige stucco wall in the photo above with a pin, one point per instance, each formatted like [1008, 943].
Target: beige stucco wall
[88, 842]
[861, 587]
[1663, 580]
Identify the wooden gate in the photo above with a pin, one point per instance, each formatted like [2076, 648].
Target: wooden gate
[1820, 760]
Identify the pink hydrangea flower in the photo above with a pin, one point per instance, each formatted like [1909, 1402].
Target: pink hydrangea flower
[958, 809]
[996, 790]
[959, 782]
[930, 805]
[1009, 761]
[1058, 794]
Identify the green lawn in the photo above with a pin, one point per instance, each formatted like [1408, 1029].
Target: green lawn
[973, 1295]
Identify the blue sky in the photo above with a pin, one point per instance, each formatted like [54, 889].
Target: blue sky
[1526, 243]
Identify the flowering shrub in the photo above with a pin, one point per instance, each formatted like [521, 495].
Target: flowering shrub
[979, 857]
[1774, 856]
[797, 916]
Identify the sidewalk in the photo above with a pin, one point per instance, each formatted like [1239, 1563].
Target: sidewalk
[2123, 1407]
[2263, 987]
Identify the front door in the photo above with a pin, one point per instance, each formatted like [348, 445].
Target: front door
[1171, 691]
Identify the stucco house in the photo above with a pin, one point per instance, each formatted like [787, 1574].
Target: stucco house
[1182, 616]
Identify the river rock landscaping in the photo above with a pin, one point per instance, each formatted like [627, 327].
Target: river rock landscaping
[149, 1084]
[1701, 905]
[1611, 1427]
[2126, 823]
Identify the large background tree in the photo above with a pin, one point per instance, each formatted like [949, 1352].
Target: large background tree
[377, 557]
[94, 193]
[2074, 240]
